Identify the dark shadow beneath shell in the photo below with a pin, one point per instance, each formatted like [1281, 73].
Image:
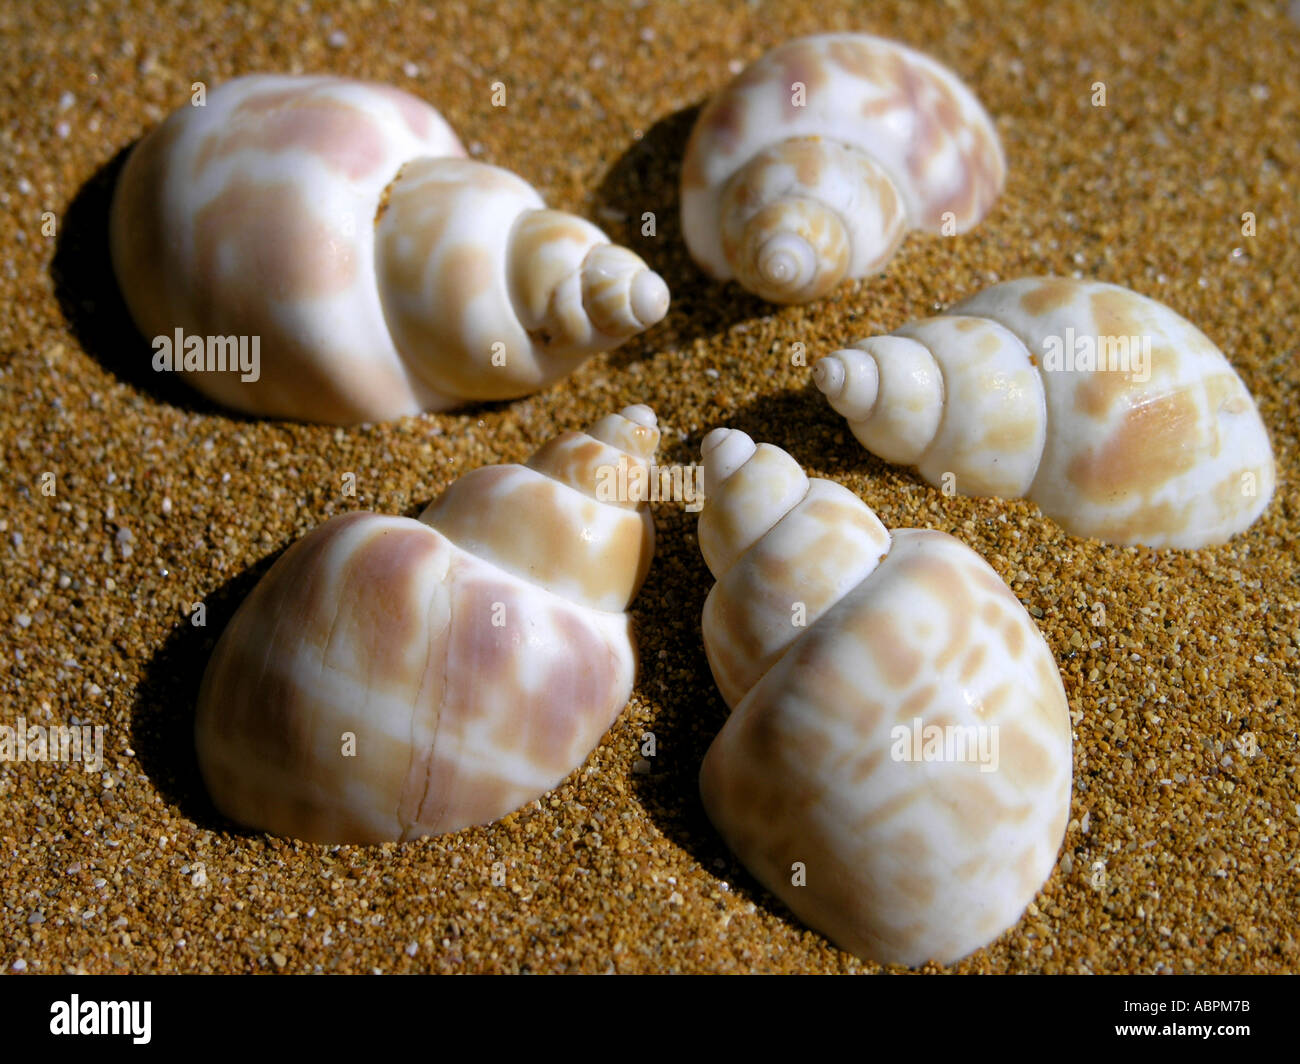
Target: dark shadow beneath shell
[647, 178]
[92, 303]
[162, 716]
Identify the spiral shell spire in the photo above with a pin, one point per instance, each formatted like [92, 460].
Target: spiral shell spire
[811, 166]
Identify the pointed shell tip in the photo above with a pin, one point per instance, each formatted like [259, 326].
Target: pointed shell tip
[641, 414]
[828, 374]
[714, 439]
[649, 297]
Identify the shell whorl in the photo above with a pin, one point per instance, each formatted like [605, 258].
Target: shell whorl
[891, 391]
[813, 162]
[783, 549]
[543, 521]
[953, 396]
[749, 488]
[806, 213]
[490, 294]
[573, 290]
[1150, 437]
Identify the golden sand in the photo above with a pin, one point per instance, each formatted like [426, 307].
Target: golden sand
[1183, 848]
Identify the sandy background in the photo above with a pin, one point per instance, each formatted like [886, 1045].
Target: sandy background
[1182, 852]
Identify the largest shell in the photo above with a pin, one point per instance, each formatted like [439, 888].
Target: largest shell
[826, 635]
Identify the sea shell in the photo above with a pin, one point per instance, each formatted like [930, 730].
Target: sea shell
[1154, 441]
[382, 273]
[811, 166]
[390, 678]
[836, 645]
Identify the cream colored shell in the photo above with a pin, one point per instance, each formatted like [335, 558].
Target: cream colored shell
[826, 634]
[390, 678]
[1152, 439]
[382, 273]
[812, 164]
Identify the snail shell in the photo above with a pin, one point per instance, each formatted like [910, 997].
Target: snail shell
[382, 272]
[906, 860]
[814, 162]
[1163, 446]
[474, 656]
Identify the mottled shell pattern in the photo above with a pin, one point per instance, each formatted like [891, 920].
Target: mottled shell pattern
[390, 678]
[831, 640]
[383, 273]
[812, 165]
[1118, 417]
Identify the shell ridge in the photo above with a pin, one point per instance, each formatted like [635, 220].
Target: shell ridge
[570, 496]
[829, 607]
[1035, 358]
[342, 550]
[731, 565]
[433, 633]
[942, 372]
